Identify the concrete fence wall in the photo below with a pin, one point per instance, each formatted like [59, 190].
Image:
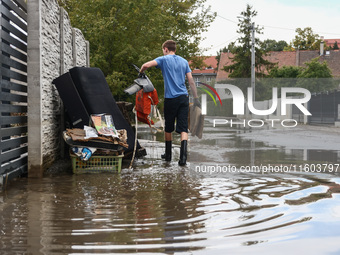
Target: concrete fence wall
[54, 47]
[277, 115]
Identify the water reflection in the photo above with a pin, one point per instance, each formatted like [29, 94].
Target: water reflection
[151, 211]
[163, 208]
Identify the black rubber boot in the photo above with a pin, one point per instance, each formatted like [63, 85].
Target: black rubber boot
[168, 148]
[183, 153]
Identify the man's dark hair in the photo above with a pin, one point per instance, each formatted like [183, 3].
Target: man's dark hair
[170, 44]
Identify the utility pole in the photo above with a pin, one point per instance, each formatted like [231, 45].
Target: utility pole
[253, 59]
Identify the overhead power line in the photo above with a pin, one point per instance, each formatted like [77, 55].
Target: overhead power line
[226, 19]
[282, 28]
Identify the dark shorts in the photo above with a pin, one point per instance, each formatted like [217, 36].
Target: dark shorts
[176, 109]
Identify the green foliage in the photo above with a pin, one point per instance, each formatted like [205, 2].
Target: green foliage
[315, 69]
[197, 62]
[241, 67]
[305, 40]
[312, 69]
[273, 45]
[289, 48]
[285, 72]
[125, 32]
[315, 76]
[335, 46]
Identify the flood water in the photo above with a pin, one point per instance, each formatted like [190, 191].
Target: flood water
[166, 209]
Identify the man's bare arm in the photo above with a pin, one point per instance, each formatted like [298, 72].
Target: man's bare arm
[192, 85]
[148, 65]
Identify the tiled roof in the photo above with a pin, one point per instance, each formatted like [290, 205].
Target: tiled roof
[209, 62]
[224, 61]
[203, 71]
[282, 58]
[330, 42]
[288, 58]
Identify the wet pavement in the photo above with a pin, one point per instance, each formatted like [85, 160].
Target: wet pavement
[245, 191]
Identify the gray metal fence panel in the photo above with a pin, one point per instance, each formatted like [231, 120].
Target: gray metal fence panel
[13, 88]
[324, 108]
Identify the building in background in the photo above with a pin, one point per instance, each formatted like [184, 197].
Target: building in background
[330, 42]
[207, 74]
[290, 58]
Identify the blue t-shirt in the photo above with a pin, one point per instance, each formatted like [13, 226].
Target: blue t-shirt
[174, 68]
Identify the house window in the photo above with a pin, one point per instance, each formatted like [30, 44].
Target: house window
[197, 80]
[208, 79]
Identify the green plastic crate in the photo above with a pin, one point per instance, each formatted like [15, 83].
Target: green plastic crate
[96, 164]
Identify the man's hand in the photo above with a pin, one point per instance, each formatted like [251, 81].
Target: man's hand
[141, 75]
[197, 102]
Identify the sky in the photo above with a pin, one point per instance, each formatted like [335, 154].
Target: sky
[279, 18]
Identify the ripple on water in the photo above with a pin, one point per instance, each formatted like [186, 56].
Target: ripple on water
[167, 211]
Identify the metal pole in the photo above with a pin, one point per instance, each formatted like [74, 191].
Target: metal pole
[253, 59]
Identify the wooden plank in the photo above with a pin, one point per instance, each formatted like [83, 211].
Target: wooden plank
[5, 84]
[13, 142]
[11, 108]
[13, 63]
[10, 97]
[13, 74]
[11, 131]
[11, 40]
[14, 52]
[12, 29]
[7, 120]
[13, 154]
[15, 164]
[11, 6]
[17, 21]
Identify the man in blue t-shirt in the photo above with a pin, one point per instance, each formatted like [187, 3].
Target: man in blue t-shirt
[176, 101]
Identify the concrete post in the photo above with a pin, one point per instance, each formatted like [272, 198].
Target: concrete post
[87, 53]
[74, 47]
[34, 75]
[62, 48]
[62, 71]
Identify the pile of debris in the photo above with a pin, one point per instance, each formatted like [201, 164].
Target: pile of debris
[85, 142]
[91, 108]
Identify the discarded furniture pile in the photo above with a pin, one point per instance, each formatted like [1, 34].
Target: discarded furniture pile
[98, 134]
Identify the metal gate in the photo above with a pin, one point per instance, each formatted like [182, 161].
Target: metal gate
[13, 89]
[324, 108]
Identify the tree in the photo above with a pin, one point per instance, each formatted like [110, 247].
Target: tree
[306, 39]
[197, 62]
[125, 32]
[231, 47]
[241, 67]
[315, 76]
[312, 69]
[285, 72]
[273, 45]
[315, 69]
[335, 46]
